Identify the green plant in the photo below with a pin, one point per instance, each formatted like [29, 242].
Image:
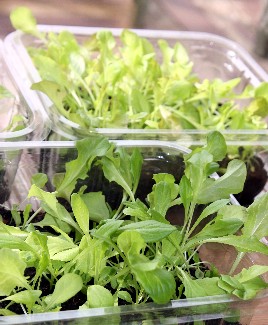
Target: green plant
[133, 253]
[124, 83]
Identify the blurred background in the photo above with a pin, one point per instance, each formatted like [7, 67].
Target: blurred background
[238, 20]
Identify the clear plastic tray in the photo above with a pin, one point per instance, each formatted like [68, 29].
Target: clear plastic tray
[20, 120]
[213, 57]
[211, 309]
[32, 124]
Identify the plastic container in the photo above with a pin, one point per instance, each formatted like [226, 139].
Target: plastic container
[212, 56]
[20, 120]
[211, 310]
[32, 125]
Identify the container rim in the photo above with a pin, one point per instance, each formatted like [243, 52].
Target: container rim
[132, 309]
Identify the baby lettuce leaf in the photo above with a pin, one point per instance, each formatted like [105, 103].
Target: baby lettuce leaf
[156, 281]
[88, 150]
[11, 271]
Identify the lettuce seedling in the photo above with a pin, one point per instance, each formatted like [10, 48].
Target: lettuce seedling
[128, 82]
[133, 253]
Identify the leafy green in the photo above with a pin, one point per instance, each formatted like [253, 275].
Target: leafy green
[129, 82]
[132, 252]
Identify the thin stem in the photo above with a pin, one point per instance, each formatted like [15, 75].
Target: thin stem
[32, 216]
[187, 224]
[236, 262]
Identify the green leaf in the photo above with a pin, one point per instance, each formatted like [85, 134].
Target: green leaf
[232, 182]
[88, 150]
[131, 242]
[252, 272]
[124, 295]
[81, 212]
[77, 64]
[14, 242]
[164, 192]
[23, 19]
[218, 228]
[65, 288]
[241, 243]
[58, 245]
[209, 210]
[12, 269]
[151, 230]
[216, 145]
[233, 212]
[205, 287]
[39, 179]
[97, 207]
[246, 284]
[25, 297]
[158, 283]
[98, 296]
[137, 209]
[107, 229]
[195, 170]
[186, 192]
[113, 174]
[52, 206]
[256, 219]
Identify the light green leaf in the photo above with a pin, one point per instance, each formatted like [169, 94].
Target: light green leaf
[256, 219]
[131, 242]
[52, 206]
[88, 149]
[245, 284]
[96, 205]
[218, 228]
[124, 295]
[57, 245]
[209, 210]
[186, 192]
[158, 283]
[81, 212]
[151, 230]
[55, 91]
[107, 229]
[39, 179]
[65, 288]
[216, 145]
[25, 297]
[23, 19]
[200, 287]
[232, 182]
[12, 269]
[242, 243]
[98, 296]
[113, 173]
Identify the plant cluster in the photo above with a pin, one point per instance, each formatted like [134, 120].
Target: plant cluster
[127, 82]
[131, 254]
